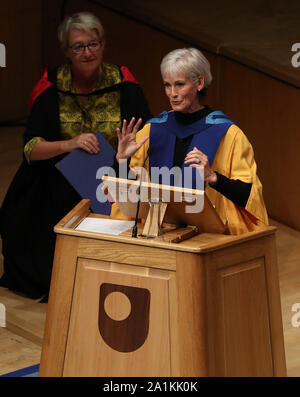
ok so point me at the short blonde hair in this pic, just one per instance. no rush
(85, 21)
(189, 61)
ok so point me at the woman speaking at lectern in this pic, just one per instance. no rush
(69, 105)
(193, 135)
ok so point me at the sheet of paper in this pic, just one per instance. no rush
(106, 226)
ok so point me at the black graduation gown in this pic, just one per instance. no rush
(39, 196)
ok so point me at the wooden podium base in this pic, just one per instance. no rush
(122, 306)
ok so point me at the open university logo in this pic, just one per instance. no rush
(124, 331)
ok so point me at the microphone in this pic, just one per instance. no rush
(134, 230)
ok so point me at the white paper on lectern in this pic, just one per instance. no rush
(106, 226)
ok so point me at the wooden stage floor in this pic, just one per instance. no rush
(21, 340)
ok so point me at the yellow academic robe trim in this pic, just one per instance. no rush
(235, 160)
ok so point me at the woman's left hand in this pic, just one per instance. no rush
(84, 141)
(198, 159)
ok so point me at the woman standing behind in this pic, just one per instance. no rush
(193, 135)
(69, 105)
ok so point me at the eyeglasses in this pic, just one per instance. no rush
(93, 46)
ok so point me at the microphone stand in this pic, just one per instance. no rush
(134, 230)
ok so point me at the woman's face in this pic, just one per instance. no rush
(86, 62)
(183, 92)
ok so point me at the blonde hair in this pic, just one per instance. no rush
(85, 21)
(189, 61)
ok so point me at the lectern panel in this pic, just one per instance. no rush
(244, 320)
(117, 319)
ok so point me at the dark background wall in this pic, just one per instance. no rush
(20, 32)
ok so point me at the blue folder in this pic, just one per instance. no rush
(84, 171)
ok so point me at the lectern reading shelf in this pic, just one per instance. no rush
(177, 206)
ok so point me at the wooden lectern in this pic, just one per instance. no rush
(122, 306)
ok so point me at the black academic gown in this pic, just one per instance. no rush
(39, 196)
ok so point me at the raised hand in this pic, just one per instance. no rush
(127, 144)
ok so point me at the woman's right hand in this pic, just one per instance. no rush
(127, 144)
(46, 150)
(85, 141)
